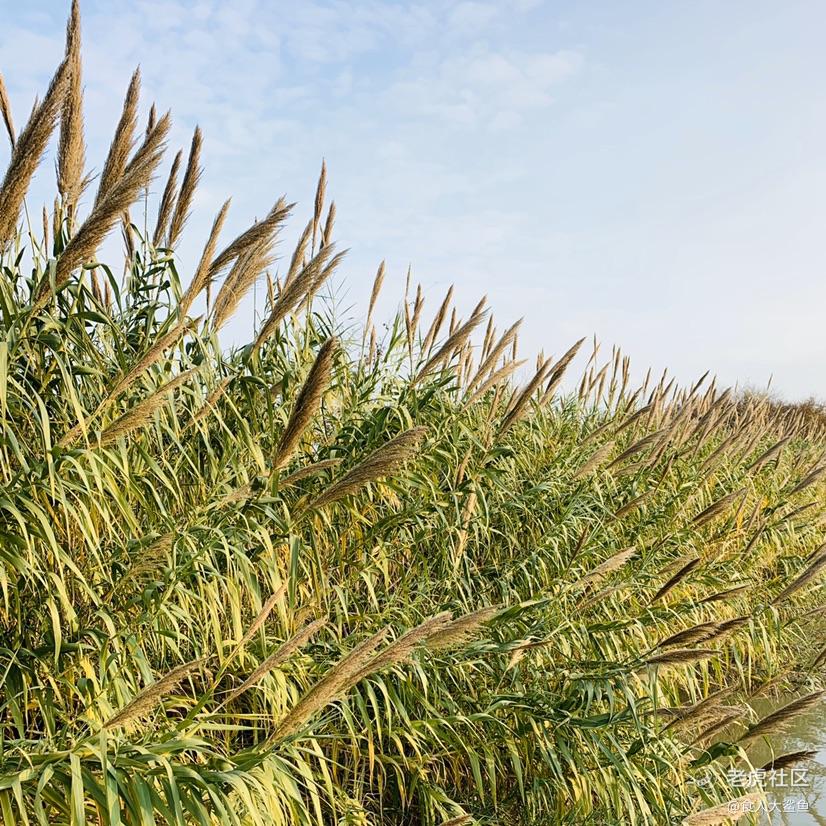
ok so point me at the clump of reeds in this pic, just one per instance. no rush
(157, 486)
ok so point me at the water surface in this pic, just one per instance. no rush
(799, 798)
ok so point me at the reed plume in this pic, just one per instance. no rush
(786, 761)
(140, 414)
(298, 258)
(149, 698)
(436, 324)
(187, 192)
(557, 372)
(680, 656)
(202, 272)
(777, 720)
(413, 324)
(150, 558)
(327, 235)
(308, 402)
(242, 275)
(688, 715)
(809, 479)
(382, 462)
(684, 571)
(71, 151)
(150, 357)
(28, 151)
(128, 379)
(298, 288)
(768, 455)
(279, 656)
(308, 470)
(6, 113)
(318, 204)
(497, 377)
(721, 718)
(812, 572)
(594, 460)
(727, 813)
(335, 682)
(727, 627)
(211, 400)
(151, 119)
(402, 648)
(107, 210)
(454, 342)
(122, 142)
(613, 563)
(468, 510)
(633, 418)
(260, 232)
(690, 636)
(718, 507)
(167, 201)
(632, 504)
(378, 281)
(319, 277)
(635, 448)
(260, 618)
(729, 593)
(522, 400)
(461, 629)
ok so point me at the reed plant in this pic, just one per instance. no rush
(335, 576)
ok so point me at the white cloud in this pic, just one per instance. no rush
(470, 16)
(485, 142)
(482, 87)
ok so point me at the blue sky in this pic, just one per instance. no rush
(652, 172)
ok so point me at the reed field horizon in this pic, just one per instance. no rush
(391, 573)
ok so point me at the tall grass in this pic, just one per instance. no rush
(351, 578)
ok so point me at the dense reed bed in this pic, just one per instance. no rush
(337, 577)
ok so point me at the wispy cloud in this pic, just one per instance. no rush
(574, 161)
